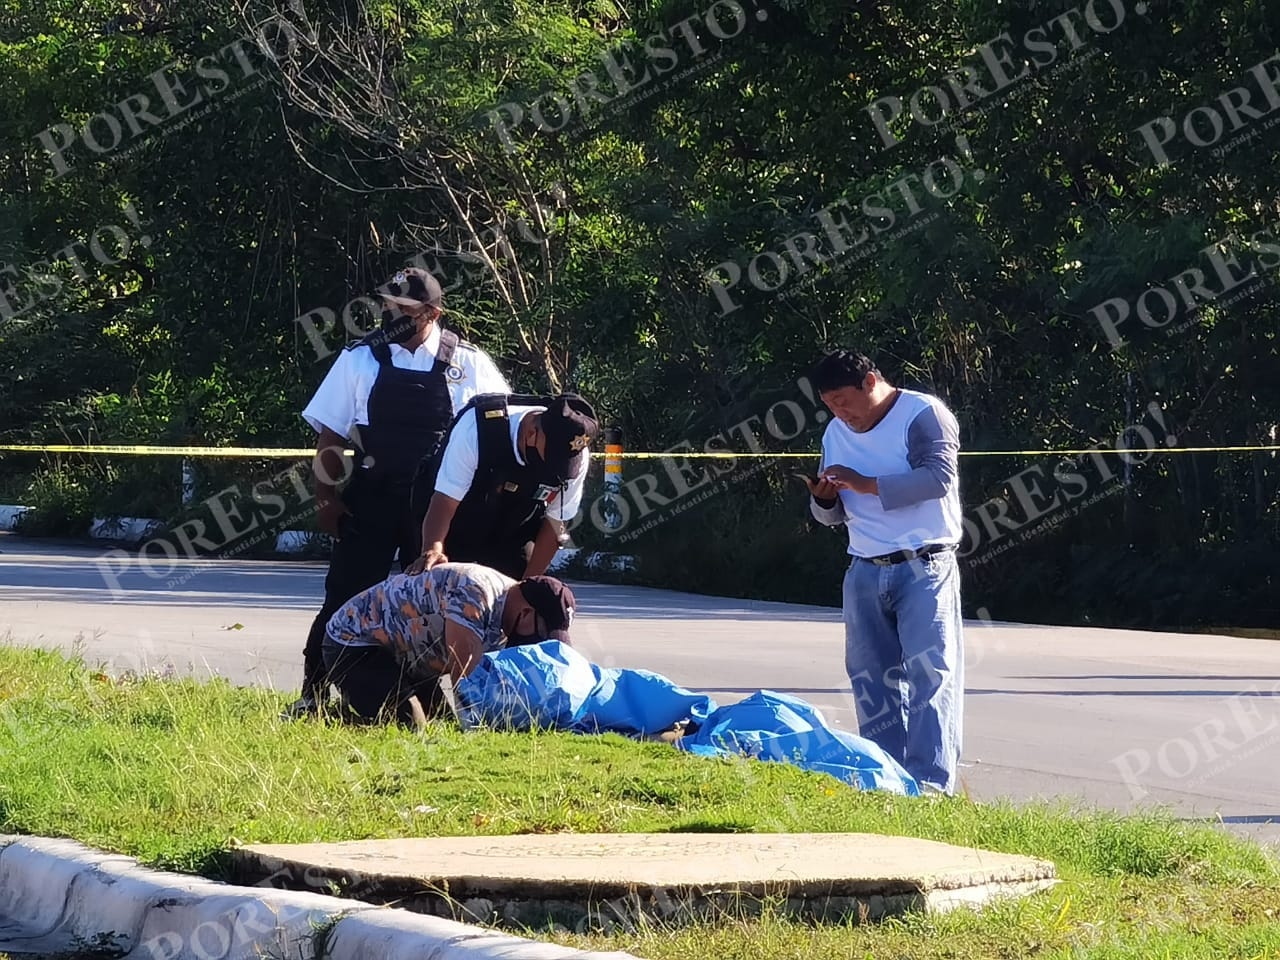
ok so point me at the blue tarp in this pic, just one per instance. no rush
(552, 686)
(775, 726)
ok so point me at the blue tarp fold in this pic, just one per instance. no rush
(785, 729)
(552, 686)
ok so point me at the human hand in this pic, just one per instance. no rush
(824, 491)
(331, 510)
(844, 478)
(432, 556)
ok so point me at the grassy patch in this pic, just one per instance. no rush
(1250, 633)
(175, 772)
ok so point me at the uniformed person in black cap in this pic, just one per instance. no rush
(508, 477)
(391, 396)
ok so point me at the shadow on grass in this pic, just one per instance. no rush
(707, 826)
(215, 864)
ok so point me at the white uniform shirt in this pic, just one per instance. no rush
(462, 458)
(341, 402)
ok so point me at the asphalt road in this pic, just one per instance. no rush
(1109, 718)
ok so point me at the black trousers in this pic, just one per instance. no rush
(380, 523)
(377, 687)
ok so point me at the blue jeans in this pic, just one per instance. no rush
(904, 655)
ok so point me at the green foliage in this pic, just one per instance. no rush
(64, 498)
(579, 257)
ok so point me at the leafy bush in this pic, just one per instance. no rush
(63, 498)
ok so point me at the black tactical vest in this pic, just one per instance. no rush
(507, 502)
(409, 413)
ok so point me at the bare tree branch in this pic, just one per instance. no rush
(340, 85)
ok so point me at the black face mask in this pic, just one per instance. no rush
(399, 328)
(520, 639)
(515, 639)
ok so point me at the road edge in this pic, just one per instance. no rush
(136, 530)
(58, 895)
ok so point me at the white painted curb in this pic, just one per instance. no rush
(125, 528)
(57, 895)
(593, 561)
(9, 514)
(137, 529)
(379, 936)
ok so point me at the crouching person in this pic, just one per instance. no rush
(394, 641)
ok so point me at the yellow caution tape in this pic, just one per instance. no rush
(278, 452)
(1116, 450)
(966, 453)
(147, 451)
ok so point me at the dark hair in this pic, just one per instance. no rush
(842, 368)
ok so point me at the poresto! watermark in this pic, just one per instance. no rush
(805, 251)
(1205, 125)
(135, 117)
(1071, 488)
(160, 557)
(657, 56)
(656, 497)
(40, 283)
(961, 90)
(1192, 288)
(1238, 730)
(328, 330)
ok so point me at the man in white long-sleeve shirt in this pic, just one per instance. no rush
(889, 474)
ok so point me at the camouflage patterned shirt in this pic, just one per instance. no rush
(407, 614)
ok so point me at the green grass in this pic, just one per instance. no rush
(175, 772)
(1252, 633)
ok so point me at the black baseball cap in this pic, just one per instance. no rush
(570, 426)
(554, 604)
(412, 287)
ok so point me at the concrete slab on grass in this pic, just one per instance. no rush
(60, 898)
(583, 880)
